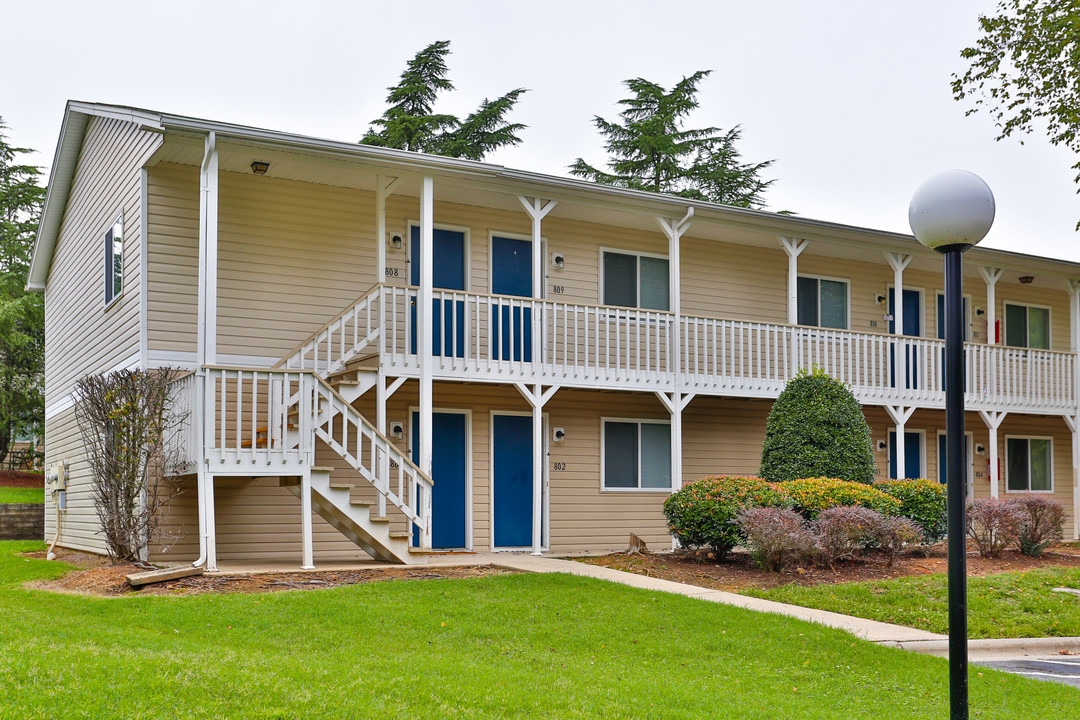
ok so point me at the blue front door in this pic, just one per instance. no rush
(912, 327)
(448, 273)
(912, 455)
(449, 454)
(512, 483)
(511, 274)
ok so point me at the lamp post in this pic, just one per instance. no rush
(950, 213)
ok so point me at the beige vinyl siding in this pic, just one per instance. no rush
(82, 335)
(173, 258)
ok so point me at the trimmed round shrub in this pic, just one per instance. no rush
(896, 534)
(993, 524)
(816, 428)
(844, 531)
(921, 501)
(776, 536)
(702, 513)
(1042, 520)
(810, 496)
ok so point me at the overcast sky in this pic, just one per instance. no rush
(851, 98)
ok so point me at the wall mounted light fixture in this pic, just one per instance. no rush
(1026, 279)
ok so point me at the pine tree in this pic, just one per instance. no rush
(22, 314)
(411, 123)
(651, 151)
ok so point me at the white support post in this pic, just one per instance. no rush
(380, 423)
(993, 420)
(380, 233)
(537, 398)
(900, 415)
(308, 562)
(537, 210)
(424, 321)
(793, 247)
(211, 523)
(1073, 422)
(991, 276)
(898, 262)
(675, 403)
(674, 230)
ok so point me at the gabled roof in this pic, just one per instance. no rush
(77, 115)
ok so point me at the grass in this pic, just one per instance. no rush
(1006, 605)
(522, 646)
(21, 495)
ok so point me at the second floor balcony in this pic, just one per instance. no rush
(494, 338)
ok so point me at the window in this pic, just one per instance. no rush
(823, 302)
(1028, 464)
(114, 261)
(1027, 326)
(637, 455)
(633, 280)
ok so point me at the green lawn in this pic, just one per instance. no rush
(22, 495)
(527, 646)
(1014, 604)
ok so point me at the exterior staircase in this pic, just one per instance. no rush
(332, 500)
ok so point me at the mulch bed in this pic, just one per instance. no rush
(738, 571)
(21, 479)
(102, 579)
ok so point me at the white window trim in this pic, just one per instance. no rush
(492, 234)
(847, 303)
(1029, 491)
(637, 253)
(1049, 325)
(969, 329)
(603, 470)
(545, 502)
(922, 455)
(464, 229)
(108, 270)
(469, 495)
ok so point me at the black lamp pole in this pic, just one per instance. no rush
(950, 213)
(954, 472)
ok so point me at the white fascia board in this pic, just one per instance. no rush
(62, 174)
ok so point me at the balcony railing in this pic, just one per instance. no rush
(491, 337)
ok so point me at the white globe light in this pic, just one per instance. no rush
(955, 207)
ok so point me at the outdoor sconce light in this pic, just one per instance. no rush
(979, 449)
(979, 312)
(397, 429)
(881, 445)
(260, 168)
(558, 434)
(950, 213)
(1026, 279)
(557, 260)
(879, 299)
(395, 241)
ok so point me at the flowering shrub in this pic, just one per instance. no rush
(1041, 523)
(703, 513)
(810, 496)
(776, 536)
(844, 531)
(896, 533)
(993, 524)
(923, 501)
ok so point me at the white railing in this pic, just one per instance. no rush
(345, 337)
(267, 421)
(183, 406)
(490, 337)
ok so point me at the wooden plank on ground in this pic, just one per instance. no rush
(154, 576)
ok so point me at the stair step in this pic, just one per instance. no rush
(379, 519)
(401, 534)
(359, 504)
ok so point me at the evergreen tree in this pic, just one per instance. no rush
(411, 123)
(650, 150)
(816, 428)
(22, 313)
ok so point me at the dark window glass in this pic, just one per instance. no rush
(808, 300)
(620, 279)
(1017, 451)
(620, 454)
